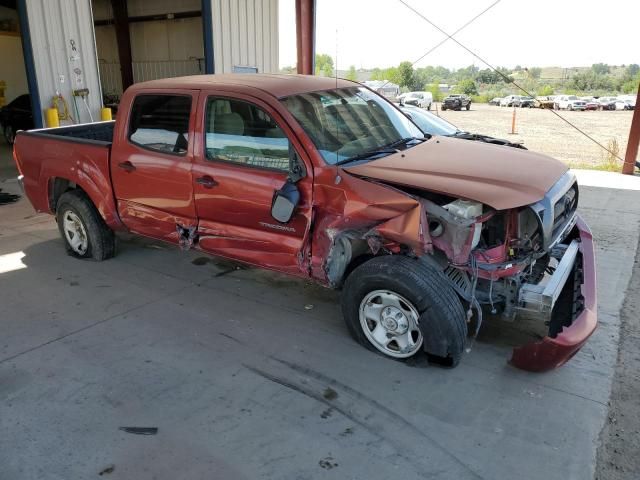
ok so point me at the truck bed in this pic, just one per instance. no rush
(77, 154)
(97, 133)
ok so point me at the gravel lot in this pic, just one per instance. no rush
(542, 131)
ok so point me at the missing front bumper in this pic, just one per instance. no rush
(570, 329)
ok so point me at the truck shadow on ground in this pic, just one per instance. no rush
(47, 262)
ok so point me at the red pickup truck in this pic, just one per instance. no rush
(327, 180)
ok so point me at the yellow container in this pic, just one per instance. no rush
(105, 114)
(51, 117)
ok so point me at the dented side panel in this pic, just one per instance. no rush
(378, 215)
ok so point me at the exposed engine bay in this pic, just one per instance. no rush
(513, 263)
(510, 262)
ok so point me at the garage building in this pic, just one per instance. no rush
(79, 54)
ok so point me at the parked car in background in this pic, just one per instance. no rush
(418, 99)
(607, 103)
(495, 101)
(592, 103)
(509, 100)
(630, 99)
(431, 124)
(569, 102)
(456, 102)
(623, 104)
(17, 115)
(544, 101)
(524, 102)
(417, 233)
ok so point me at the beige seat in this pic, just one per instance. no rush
(229, 124)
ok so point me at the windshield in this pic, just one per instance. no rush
(349, 122)
(429, 123)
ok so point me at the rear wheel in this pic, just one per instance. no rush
(82, 228)
(398, 306)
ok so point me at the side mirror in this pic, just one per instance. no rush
(285, 202)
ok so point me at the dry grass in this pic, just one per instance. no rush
(541, 131)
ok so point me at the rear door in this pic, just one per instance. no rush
(151, 165)
(244, 160)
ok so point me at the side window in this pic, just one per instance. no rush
(240, 132)
(161, 122)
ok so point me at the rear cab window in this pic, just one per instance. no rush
(161, 123)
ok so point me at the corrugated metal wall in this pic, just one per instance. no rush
(245, 34)
(64, 53)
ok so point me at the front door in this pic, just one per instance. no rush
(151, 166)
(245, 159)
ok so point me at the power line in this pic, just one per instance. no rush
(454, 33)
(505, 77)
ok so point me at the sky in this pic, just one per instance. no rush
(544, 33)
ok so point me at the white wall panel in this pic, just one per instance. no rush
(164, 40)
(64, 53)
(245, 33)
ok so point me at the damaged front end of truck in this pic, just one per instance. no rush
(533, 261)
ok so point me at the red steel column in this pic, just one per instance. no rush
(123, 38)
(634, 140)
(306, 35)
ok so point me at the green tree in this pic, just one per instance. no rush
(631, 86)
(467, 86)
(488, 76)
(632, 70)
(405, 74)
(391, 74)
(352, 74)
(324, 65)
(377, 74)
(600, 68)
(535, 72)
(435, 92)
(545, 91)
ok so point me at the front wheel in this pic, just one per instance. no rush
(398, 306)
(82, 228)
(468, 106)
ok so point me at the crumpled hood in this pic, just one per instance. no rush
(501, 177)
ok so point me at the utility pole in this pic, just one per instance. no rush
(634, 139)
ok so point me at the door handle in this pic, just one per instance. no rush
(127, 166)
(206, 181)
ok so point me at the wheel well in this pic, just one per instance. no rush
(355, 263)
(58, 186)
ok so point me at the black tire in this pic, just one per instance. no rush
(9, 134)
(442, 317)
(444, 109)
(101, 239)
(468, 106)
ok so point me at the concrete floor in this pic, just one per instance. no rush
(248, 374)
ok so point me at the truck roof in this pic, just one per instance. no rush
(278, 85)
